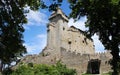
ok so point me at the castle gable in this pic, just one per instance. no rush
(74, 29)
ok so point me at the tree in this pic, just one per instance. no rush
(12, 18)
(103, 18)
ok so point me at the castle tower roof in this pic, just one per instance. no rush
(58, 12)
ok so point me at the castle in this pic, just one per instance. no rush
(71, 46)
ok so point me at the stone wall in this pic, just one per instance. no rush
(80, 61)
(78, 42)
(71, 59)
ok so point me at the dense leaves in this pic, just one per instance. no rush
(41, 69)
(54, 5)
(12, 18)
(103, 18)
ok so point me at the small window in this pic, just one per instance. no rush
(75, 41)
(105, 62)
(83, 41)
(63, 28)
(48, 30)
(69, 42)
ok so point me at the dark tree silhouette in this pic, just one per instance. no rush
(12, 18)
(103, 18)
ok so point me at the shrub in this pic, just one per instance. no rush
(42, 69)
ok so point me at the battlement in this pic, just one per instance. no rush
(58, 13)
(81, 62)
(93, 56)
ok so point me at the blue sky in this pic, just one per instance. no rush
(35, 35)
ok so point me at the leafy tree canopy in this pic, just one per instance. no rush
(103, 18)
(12, 18)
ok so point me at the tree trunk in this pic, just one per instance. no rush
(1, 66)
(115, 60)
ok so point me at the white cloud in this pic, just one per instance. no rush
(78, 24)
(38, 42)
(35, 18)
(41, 36)
(98, 45)
(36, 46)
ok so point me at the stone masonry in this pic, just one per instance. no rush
(71, 46)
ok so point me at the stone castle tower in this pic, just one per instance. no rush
(71, 46)
(60, 35)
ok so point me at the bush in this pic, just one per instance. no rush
(42, 69)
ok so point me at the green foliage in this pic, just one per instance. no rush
(86, 74)
(109, 73)
(41, 69)
(103, 18)
(54, 5)
(12, 18)
(7, 71)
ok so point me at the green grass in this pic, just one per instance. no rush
(110, 73)
(101, 74)
(87, 74)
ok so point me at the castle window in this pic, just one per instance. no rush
(63, 28)
(83, 41)
(69, 42)
(105, 62)
(48, 30)
(63, 21)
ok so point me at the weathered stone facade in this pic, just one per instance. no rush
(71, 46)
(70, 38)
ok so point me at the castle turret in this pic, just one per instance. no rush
(55, 31)
(56, 26)
(57, 15)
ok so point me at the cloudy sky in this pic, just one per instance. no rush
(35, 35)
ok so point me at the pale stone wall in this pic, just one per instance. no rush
(80, 61)
(70, 38)
(72, 60)
(78, 42)
(57, 28)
